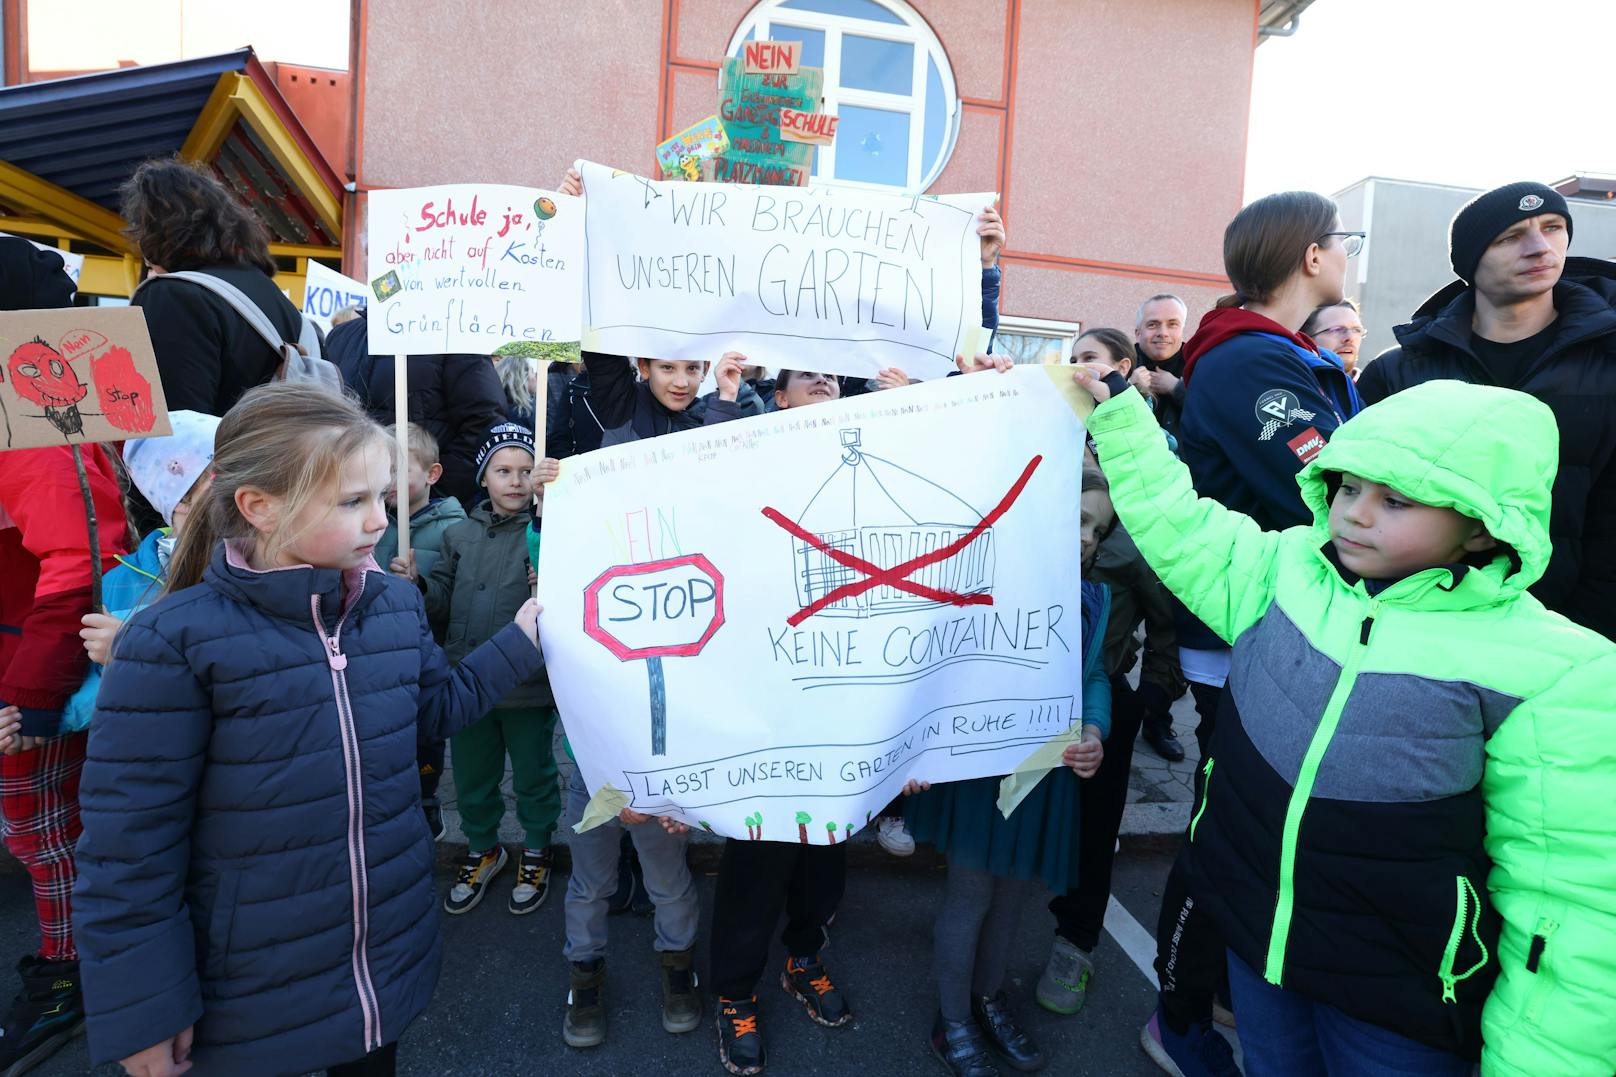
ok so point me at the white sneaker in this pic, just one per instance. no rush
(894, 838)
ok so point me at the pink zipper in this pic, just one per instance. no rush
(359, 882)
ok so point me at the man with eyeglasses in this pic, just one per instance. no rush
(1524, 316)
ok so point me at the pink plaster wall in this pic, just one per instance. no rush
(506, 93)
(1092, 299)
(1129, 128)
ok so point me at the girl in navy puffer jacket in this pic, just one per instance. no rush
(255, 891)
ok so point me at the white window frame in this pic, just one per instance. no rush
(1067, 332)
(770, 19)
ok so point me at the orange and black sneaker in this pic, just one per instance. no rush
(740, 1044)
(806, 980)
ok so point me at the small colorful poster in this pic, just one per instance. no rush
(325, 291)
(749, 106)
(76, 375)
(468, 267)
(688, 154)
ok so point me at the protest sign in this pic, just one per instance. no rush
(749, 106)
(822, 278)
(689, 154)
(325, 291)
(468, 267)
(78, 374)
(772, 624)
(818, 128)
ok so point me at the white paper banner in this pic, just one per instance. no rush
(714, 664)
(468, 267)
(325, 291)
(810, 278)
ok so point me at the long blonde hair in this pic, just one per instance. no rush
(516, 374)
(286, 439)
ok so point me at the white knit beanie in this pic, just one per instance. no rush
(164, 469)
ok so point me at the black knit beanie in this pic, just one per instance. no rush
(500, 437)
(31, 278)
(1480, 220)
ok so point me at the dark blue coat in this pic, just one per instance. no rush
(254, 859)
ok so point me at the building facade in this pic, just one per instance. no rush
(1113, 133)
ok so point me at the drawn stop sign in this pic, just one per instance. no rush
(656, 610)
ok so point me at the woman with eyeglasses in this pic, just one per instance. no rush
(1260, 401)
(1336, 326)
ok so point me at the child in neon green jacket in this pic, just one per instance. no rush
(1407, 832)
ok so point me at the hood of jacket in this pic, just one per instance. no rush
(438, 510)
(1221, 323)
(1488, 453)
(1585, 299)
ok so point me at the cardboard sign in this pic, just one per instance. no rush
(325, 291)
(814, 128)
(827, 279)
(771, 57)
(786, 618)
(689, 154)
(78, 374)
(749, 106)
(469, 267)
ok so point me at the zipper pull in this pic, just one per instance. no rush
(1448, 984)
(335, 657)
(1368, 622)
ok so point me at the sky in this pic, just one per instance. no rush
(1473, 93)
(312, 32)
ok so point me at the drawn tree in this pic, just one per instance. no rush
(803, 819)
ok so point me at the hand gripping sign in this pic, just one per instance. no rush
(659, 609)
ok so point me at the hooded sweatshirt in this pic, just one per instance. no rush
(1407, 807)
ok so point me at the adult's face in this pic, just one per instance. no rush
(1160, 331)
(1331, 282)
(1524, 261)
(1340, 330)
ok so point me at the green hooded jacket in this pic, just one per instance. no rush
(1331, 841)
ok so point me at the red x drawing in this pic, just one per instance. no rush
(897, 577)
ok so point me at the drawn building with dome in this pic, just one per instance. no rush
(886, 514)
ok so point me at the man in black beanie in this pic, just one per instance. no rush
(1525, 316)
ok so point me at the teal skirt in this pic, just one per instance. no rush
(1038, 841)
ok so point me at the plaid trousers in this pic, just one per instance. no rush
(39, 801)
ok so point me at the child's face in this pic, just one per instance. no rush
(509, 480)
(1097, 519)
(673, 381)
(1089, 350)
(1382, 535)
(339, 527)
(807, 389)
(421, 478)
(193, 496)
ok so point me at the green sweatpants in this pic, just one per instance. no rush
(479, 753)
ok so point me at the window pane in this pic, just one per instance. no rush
(852, 9)
(937, 118)
(1029, 347)
(868, 63)
(813, 42)
(872, 145)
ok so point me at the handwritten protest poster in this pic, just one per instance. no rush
(819, 278)
(468, 267)
(78, 374)
(325, 291)
(749, 105)
(765, 628)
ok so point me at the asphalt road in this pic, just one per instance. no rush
(499, 1003)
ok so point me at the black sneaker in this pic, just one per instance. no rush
(585, 1022)
(960, 1046)
(477, 870)
(47, 1012)
(532, 881)
(740, 1044)
(809, 983)
(434, 818)
(1163, 743)
(1004, 1034)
